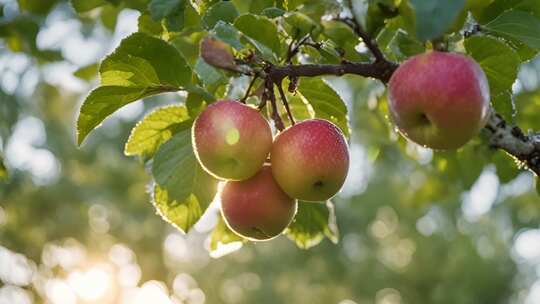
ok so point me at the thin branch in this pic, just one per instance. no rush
(264, 100)
(270, 95)
(285, 102)
(358, 30)
(292, 51)
(248, 91)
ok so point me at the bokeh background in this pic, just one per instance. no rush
(76, 225)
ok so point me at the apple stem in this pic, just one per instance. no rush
(440, 45)
(285, 102)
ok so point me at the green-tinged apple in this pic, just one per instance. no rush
(257, 208)
(439, 100)
(231, 140)
(310, 160)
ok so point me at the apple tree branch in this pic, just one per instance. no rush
(502, 135)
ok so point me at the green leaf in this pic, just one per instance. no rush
(148, 26)
(299, 25)
(501, 64)
(160, 9)
(141, 66)
(144, 61)
(404, 46)
(156, 128)
(195, 104)
(88, 72)
(504, 105)
(183, 214)
(179, 14)
(326, 103)
(313, 221)
(316, 9)
(210, 76)
(3, 170)
(339, 32)
(221, 11)
(223, 241)
(463, 166)
(498, 60)
(498, 7)
(176, 169)
(253, 6)
(34, 6)
(343, 37)
(109, 16)
(518, 25)
(105, 100)
(435, 17)
(299, 107)
(228, 34)
(262, 33)
(83, 6)
(273, 12)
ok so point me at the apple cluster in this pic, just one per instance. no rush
(263, 175)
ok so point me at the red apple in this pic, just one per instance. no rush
(439, 100)
(231, 140)
(257, 208)
(310, 160)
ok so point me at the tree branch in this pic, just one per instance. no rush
(510, 138)
(379, 70)
(525, 148)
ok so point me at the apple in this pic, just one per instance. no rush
(439, 100)
(310, 160)
(257, 208)
(231, 140)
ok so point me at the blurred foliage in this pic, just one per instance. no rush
(415, 226)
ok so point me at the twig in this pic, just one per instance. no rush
(269, 91)
(293, 51)
(358, 30)
(285, 102)
(248, 91)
